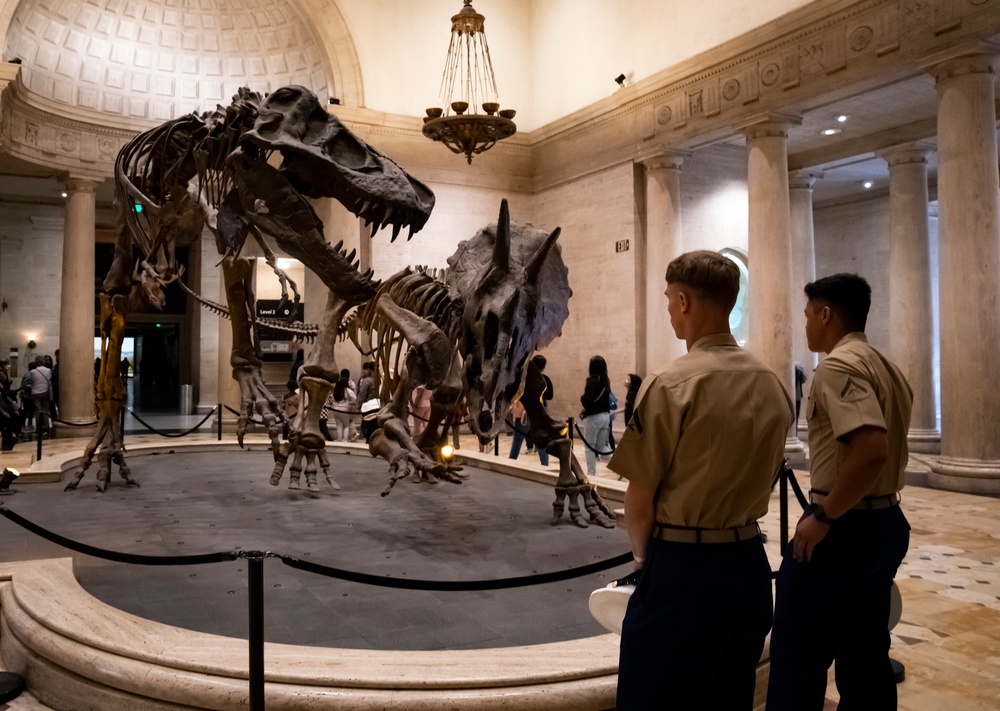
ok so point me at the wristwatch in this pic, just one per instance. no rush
(819, 513)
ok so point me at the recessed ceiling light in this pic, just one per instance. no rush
(842, 118)
(830, 131)
(867, 184)
(64, 194)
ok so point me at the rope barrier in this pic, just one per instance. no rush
(588, 445)
(457, 585)
(319, 569)
(167, 434)
(76, 424)
(115, 556)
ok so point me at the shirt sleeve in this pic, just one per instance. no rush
(847, 396)
(647, 447)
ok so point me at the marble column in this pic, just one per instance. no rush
(664, 242)
(969, 232)
(800, 196)
(911, 314)
(76, 308)
(770, 251)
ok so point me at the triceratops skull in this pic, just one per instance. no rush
(514, 287)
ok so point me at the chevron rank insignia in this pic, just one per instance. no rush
(853, 391)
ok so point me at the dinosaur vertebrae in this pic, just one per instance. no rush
(300, 331)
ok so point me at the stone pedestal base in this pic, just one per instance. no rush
(971, 476)
(793, 445)
(924, 441)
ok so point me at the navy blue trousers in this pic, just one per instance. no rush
(695, 626)
(836, 608)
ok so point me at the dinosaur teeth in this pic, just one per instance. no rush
(336, 247)
(388, 216)
(364, 208)
(350, 257)
(410, 236)
(395, 232)
(375, 227)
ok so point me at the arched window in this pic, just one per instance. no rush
(738, 321)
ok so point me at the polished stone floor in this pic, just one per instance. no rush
(948, 639)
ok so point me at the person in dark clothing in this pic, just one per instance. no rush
(293, 374)
(596, 415)
(632, 384)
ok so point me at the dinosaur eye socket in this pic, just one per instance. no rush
(491, 334)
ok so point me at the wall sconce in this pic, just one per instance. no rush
(8, 476)
(620, 80)
(31, 341)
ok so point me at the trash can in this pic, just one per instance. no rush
(187, 399)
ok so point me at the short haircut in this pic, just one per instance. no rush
(710, 275)
(847, 294)
(539, 361)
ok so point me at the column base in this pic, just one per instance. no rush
(75, 427)
(971, 476)
(793, 445)
(924, 441)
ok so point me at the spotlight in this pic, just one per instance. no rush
(620, 80)
(8, 476)
(867, 184)
(447, 452)
(334, 100)
(15, 60)
(842, 118)
(830, 131)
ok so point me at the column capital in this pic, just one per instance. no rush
(79, 183)
(978, 58)
(661, 158)
(803, 179)
(772, 124)
(903, 153)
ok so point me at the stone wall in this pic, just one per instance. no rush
(31, 238)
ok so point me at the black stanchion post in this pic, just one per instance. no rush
(783, 506)
(38, 435)
(218, 420)
(496, 445)
(122, 422)
(569, 425)
(255, 578)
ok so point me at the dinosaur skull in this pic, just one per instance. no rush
(514, 288)
(322, 158)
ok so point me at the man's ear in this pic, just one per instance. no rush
(685, 301)
(826, 315)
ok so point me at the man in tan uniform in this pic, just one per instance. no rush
(834, 583)
(701, 450)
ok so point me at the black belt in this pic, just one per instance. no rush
(679, 534)
(869, 503)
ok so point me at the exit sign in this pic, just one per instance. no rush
(621, 245)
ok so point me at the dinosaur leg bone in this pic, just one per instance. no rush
(246, 358)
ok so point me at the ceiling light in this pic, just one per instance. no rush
(842, 118)
(64, 194)
(467, 86)
(867, 184)
(830, 131)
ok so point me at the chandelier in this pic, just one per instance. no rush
(467, 86)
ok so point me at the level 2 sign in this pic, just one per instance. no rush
(268, 308)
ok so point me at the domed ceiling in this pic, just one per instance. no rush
(157, 59)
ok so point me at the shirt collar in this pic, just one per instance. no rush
(852, 336)
(714, 340)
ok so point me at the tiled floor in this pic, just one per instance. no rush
(948, 639)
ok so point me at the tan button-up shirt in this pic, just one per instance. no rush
(709, 431)
(854, 386)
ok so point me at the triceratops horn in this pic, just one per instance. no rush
(501, 248)
(538, 258)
